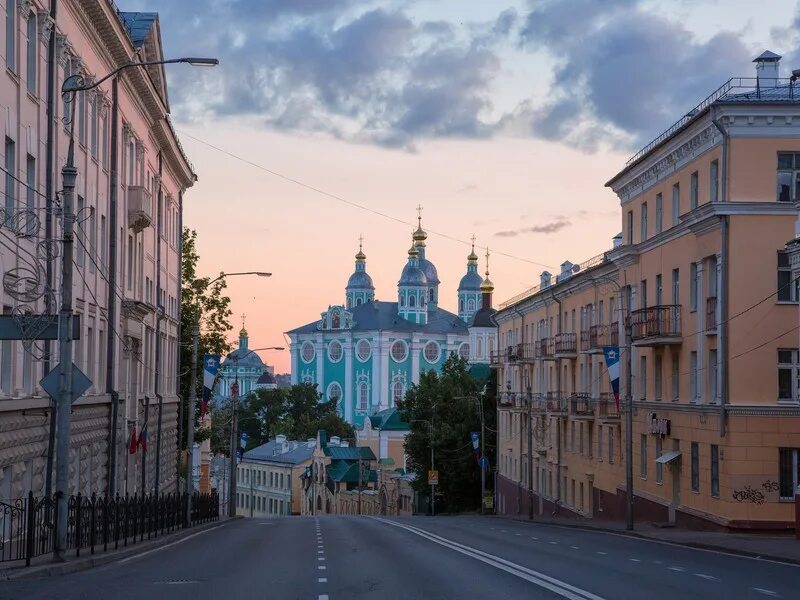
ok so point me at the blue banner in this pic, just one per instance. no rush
(612, 364)
(210, 366)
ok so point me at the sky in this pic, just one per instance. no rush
(331, 119)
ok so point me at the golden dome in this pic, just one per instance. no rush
(487, 285)
(243, 331)
(420, 235)
(360, 255)
(413, 252)
(472, 257)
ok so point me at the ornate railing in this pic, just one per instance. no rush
(545, 348)
(581, 405)
(659, 321)
(711, 313)
(607, 406)
(566, 343)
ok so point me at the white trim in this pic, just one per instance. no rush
(341, 349)
(369, 354)
(405, 346)
(302, 352)
(438, 352)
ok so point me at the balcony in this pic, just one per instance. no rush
(526, 353)
(581, 406)
(556, 403)
(598, 336)
(607, 407)
(566, 345)
(505, 399)
(496, 359)
(140, 208)
(546, 349)
(711, 315)
(656, 325)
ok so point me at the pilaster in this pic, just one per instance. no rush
(349, 411)
(701, 325)
(415, 347)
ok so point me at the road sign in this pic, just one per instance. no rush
(488, 501)
(485, 463)
(80, 383)
(35, 327)
(433, 477)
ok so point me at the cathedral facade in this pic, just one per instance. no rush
(365, 353)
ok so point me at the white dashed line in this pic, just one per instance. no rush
(320, 551)
(535, 538)
(575, 547)
(679, 569)
(603, 553)
(323, 597)
(322, 567)
(320, 558)
(765, 592)
(503, 531)
(634, 560)
(322, 580)
(659, 562)
(704, 576)
(517, 534)
(554, 543)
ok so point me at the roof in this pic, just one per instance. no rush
(484, 317)
(347, 472)
(138, 25)
(266, 378)
(249, 359)
(471, 281)
(349, 452)
(412, 275)
(269, 452)
(429, 269)
(374, 316)
(360, 279)
(387, 420)
(767, 56)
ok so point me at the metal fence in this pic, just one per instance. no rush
(28, 525)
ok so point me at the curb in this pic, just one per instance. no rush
(81, 564)
(640, 536)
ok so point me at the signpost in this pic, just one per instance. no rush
(433, 477)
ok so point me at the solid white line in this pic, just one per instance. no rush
(766, 592)
(634, 560)
(709, 577)
(322, 567)
(679, 569)
(556, 586)
(603, 553)
(323, 597)
(188, 537)
(322, 580)
(574, 547)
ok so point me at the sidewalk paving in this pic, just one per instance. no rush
(780, 547)
(44, 566)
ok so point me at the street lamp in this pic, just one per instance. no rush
(433, 487)
(256, 273)
(69, 175)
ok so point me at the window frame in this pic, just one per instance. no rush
(32, 54)
(659, 213)
(793, 370)
(714, 470)
(793, 456)
(694, 192)
(695, 466)
(676, 203)
(788, 290)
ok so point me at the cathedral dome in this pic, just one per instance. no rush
(470, 282)
(360, 280)
(246, 358)
(429, 269)
(412, 275)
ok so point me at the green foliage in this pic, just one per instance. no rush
(295, 412)
(452, 402)
(206, 304)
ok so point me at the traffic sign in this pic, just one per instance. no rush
(80, 383)
(488, 501)
(433, 477)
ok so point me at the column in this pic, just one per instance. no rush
(377, 353)
(319, 347)
(719, 317)
(701, 337)
(385, 379)
(348, 379)
(294, 350)
(415, 348)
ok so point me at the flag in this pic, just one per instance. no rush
(612, 364)
(143, 437)
(210, 365)
(132, 442)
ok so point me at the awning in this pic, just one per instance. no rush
(668, 457)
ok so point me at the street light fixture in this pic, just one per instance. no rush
(256, 273)
(69, 175)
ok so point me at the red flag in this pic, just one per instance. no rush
(203, 407)
(143, 437)
(132, 443)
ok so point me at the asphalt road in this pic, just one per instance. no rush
(332, 558)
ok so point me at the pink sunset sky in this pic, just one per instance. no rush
(499, 118)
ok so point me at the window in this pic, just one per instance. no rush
(80, 238)
(630, 227)
(398, 391)
(104, 139)
(471, 304)
(676, 203)
(92, 238)
(363, 396)
(643, 456)
(5, 361)
(692, 286)
(788, 373)
(10, 183)
(788, 290)
(693, 191)
(676, 367)
(334, 392)
(676, 286)
(90, 366)
(788, 472)
(11, 34)
(412, 301)
(657, 379)
(643, 378)
(95, 100)
(600, 443)
(610, 444)
(363, 350)
(81, 99)
(463, 350)
(659, 290)
(432, 352)
(788, 177)
(399, 350)
(66, 105)
(307, 352)
(130, 262)
(643, 233)
(695, 467)
(30, 194)
(712, 375)
(643, 294)
(32, 52)
(693, 376)
(659, 466)
(103, 242)
(715, 470)
(713, 181)
(659, 213)
(335, 351)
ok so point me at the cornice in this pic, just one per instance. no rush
(766, 410)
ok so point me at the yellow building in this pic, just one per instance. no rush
(701, 276)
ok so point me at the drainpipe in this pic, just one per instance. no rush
(112, 322)
(722, 340)
(159, 315)
(178, 345)
(519, 479)
(558, 420)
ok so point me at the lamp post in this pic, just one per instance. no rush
(433, 487)
(69, 175)
(234, 422)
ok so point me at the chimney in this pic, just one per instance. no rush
(617, 240)
(544, 279)
(280, 439)
(335, 441)
(311, 442)
(566, 271)
(767, 69)
(344, 444)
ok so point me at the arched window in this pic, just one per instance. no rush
(334, 392)
(402, 300)
(335, 324)
(398, 391)
(358, 302)
(431, 352)
(412, 301)
(430, 295)
(461, 305)
(479, 348)
(363, 395)
(307, 352)
(471, 304)
(463, 350)
(399, 351)
(335, 351)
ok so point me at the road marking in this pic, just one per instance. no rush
(709, 577)
(323, 597)
(320, 558)
(320, 551)
(561, 588)
(659, 562)
(503, 531)
(322, 567)
(679, 569)
(517, 534)
(765, 592)
(554, 543)
(603, 553)
(634, 560)
(322, 580)
(535, 538)
(188, 537)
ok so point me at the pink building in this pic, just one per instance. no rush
(127, 277)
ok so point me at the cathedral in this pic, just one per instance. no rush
(366, 353)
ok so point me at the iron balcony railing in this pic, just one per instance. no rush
(581, 404)
(566, 343)
(711, 313)
(496, 358)
(545, 348)
(607, 406)
(556, 402)
(659, 321)
(600, 335)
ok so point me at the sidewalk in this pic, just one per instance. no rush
(45, 567)
(784, 548)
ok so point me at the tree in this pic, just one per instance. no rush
(205, 304)
(451, 401)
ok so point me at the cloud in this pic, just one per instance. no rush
(547, 228)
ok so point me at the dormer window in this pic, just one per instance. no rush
(335, 320)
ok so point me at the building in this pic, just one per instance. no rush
(385, 434)
(268, 483)
(129, 314)
(245, 367)
(701, 280)
(366, 353)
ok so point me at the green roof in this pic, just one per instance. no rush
(347, 472)
(349, 452)
(388, 420)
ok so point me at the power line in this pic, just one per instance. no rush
(350, 202)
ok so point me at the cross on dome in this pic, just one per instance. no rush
(243, 332)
